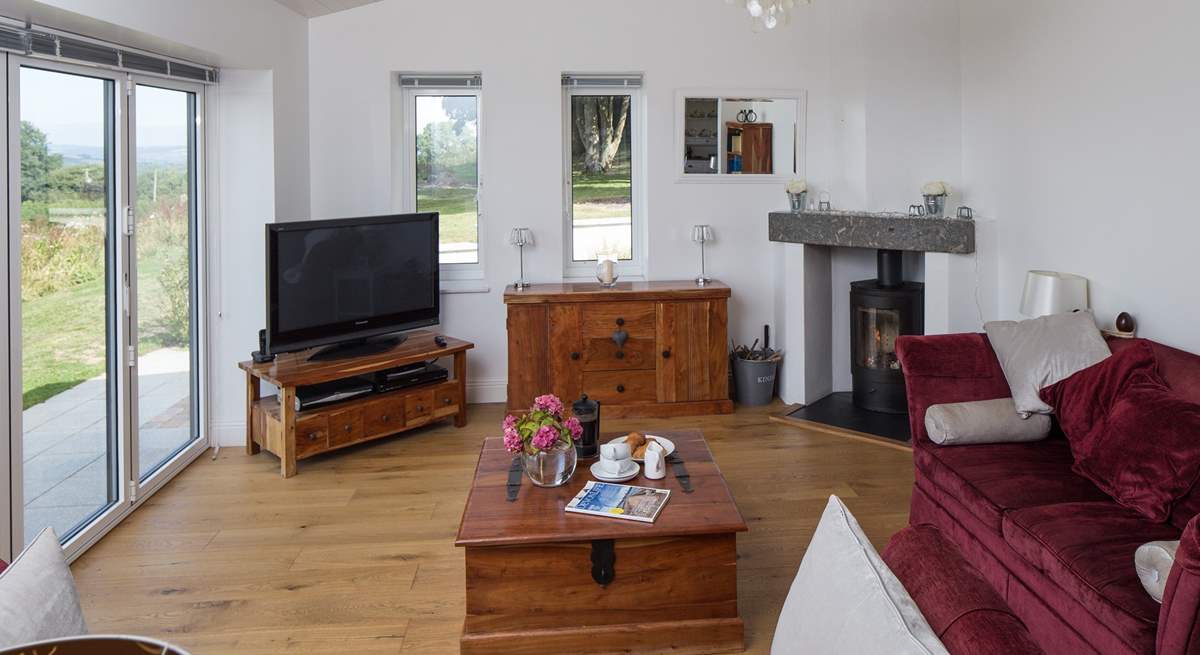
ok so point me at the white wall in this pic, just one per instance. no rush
(522, 46)
(1080, 138)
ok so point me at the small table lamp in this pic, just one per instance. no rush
(702, 234)
(1051, 292)
(521, 237)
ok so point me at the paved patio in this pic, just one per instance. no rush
(65, 454)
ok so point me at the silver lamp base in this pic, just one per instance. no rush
(521, 284)
(703, 280)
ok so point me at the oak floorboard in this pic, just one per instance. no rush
(356, 553)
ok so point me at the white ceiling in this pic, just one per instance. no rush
(314, 8)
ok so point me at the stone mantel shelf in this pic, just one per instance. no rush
(881, 230)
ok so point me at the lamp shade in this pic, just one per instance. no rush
(702, 233)
(520, 236)
(1051, 292)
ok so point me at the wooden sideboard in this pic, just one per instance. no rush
(641, 349)
(278, 428)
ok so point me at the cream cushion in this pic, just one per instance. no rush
(1153, 563)
(844, 599)
(1035, 354)
(983, 421)
(37, 595)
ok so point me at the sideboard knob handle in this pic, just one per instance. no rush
(666, 354)
(620, 321)
(620, 388)
(575, 355)
(620, 354)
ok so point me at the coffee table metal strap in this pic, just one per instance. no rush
(515, 469)
(681, 473)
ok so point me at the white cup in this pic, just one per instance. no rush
(612, 467)
(615, 451)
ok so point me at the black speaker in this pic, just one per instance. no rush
(261, 355)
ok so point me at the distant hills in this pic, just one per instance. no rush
(73, 155)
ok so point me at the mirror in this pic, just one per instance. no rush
(740, 135)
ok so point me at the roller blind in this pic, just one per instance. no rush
(444, 81)
(632, 80)
(44, 43)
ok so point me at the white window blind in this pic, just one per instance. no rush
(45, 43)
(583, 80)
(445, 81)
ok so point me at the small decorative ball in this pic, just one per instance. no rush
(1125, 322)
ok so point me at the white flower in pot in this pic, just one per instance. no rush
(935, 188)
(797, 186)
(935, 197)
(797, 191)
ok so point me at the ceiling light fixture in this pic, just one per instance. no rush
(769, 13)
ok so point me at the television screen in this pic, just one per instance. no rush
(331, 281)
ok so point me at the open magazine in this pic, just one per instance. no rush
(619, 501)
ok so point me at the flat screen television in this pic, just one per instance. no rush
(352, 283)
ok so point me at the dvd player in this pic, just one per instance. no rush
(409, 376)
(319, 395)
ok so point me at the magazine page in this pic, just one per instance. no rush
(619, 501)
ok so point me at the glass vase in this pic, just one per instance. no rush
(935, 206)
(551, 468)
(606, 270)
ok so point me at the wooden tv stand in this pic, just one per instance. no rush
(291, 435)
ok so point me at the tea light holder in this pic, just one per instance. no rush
(702, 234)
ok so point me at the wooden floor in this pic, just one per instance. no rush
(355, 554)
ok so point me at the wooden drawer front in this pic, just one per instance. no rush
(345, 426)
(606, 355)
(383, 416)
(601, 319)
(418, 408)
(312, 435)
(620, 387)
(446, 400)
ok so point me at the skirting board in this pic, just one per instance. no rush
(488, 390)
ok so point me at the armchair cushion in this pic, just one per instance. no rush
(37, 595)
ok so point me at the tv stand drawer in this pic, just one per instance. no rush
(418, 408)
(312, 435)
(447, 399)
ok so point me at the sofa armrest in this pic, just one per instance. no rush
(1179, 616)
(947, 368)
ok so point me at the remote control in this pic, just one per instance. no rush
(440, 341)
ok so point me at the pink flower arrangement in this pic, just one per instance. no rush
(542, 429)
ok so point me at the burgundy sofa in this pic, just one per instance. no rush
(1056, 548)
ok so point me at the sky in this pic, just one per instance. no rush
(69, 109)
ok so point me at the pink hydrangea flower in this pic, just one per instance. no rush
(512, 438)
(550, 404)
(575, 428)
(545, 438)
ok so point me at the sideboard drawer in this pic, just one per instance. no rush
(620, 387)
(345, 427)
(446, 399)
(312, 435)
(383, 416)
(418, 408)
(600, 320)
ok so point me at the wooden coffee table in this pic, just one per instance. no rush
(535, 572)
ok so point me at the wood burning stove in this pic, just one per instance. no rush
(881, 310)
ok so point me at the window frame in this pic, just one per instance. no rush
(634, 268)
(460, 277)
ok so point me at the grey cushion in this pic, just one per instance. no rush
(983, 421)
(1035, 354)
(1153, 562)
(37, 595)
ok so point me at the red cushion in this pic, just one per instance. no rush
(991, 478)
(1179, 368)
(1130, 434)
(961, 607)
(1087, 549)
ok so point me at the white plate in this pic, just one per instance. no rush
(629, 473)
(668, 447)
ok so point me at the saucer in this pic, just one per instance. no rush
(630, 472)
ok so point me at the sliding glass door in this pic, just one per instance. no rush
(164, 265)
(104, 360)
(67, 305)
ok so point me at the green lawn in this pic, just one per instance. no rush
(612, 187)
(63, 336)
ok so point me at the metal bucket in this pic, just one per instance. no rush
(754, 381)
